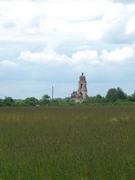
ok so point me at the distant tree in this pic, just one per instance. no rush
(55, 102)
(1, 102)
(132, 97)
(19, 102)
(94, 99)
(8, 101)
(114, 94)
(45, 99)
(99, 98)
(120, 94)
(67, 99)
(31, 101)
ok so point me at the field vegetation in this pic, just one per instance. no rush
(113, 96)
(67, 143)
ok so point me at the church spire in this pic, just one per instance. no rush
(81, 94)
(82, 89)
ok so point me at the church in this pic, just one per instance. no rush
(81, 94)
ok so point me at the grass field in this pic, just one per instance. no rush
(93, 143)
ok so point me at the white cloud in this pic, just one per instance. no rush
(7, 63)
(61, 17)
(87, 54)
(125, 1)
(50, 58)
(80, 58)
(117, 55)
(87, 57)
(130, 26)
(73, 34)
(19, 12)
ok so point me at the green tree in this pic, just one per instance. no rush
(112, 95)
(8, 101)
(94, 99)
(120, 94)
(31, 101)
(1, 102)
(19, 102)
(99, 99)
(132, 97)
(45, 99)
(54, 102)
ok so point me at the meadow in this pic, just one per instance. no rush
(67, 143)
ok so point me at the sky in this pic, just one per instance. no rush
(45, 43)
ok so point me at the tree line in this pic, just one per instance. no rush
(114, 95)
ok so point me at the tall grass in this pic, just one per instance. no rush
(95, 143)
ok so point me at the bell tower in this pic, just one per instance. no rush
(82, 89)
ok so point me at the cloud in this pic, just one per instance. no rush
(118, 55)
(130, 26)
(54, 41)
(7, 63)
(85, 58)
(53, 18)
(50, 58)
(125, 1)
(53, 59)
(87, 54)
(122, 28)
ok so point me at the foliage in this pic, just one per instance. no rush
(94, 99)
(45, 100)
(114, 94)
(1, 102)
(8, 101)
(32, 101)
(132, 97)
(20, 102)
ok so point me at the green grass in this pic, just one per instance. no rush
(88, 143)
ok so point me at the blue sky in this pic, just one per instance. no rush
(50, 42)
